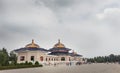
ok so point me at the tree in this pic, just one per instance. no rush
(105, 59)
(4, 57)
(112, 58)
(1, 58)
(13, 58)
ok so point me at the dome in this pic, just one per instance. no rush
(32, 45)
(59, 45)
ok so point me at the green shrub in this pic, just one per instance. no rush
(21, 65)
(18, 66)
(26, 63)
(37, 63)
(30, 63)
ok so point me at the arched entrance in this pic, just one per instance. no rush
(62, 58)
(41, 58)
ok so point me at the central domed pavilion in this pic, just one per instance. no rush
(59, 49)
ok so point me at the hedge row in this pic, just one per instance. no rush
(18, 66)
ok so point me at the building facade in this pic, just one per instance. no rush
(58, 54)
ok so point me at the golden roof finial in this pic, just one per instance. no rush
(32, 45)
(59, 44)
(32, 41)
(58, 40)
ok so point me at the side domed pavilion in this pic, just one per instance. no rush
(31, 53)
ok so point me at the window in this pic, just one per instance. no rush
(69, 59)
(32, 58)
(22, 58)
(52, 59)
(62, 58)
(46, 59)
(41, 58)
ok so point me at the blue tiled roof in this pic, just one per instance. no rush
(58, 53)
(30, 49)
(64, 53)
(71, 54)
(56, 49)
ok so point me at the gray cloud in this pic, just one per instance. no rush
(55, 4)
(90, 27)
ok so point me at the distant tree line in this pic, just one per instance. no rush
(105, 59)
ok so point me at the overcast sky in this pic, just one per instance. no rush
(89, 27)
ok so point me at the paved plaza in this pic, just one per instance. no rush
(86, 68)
